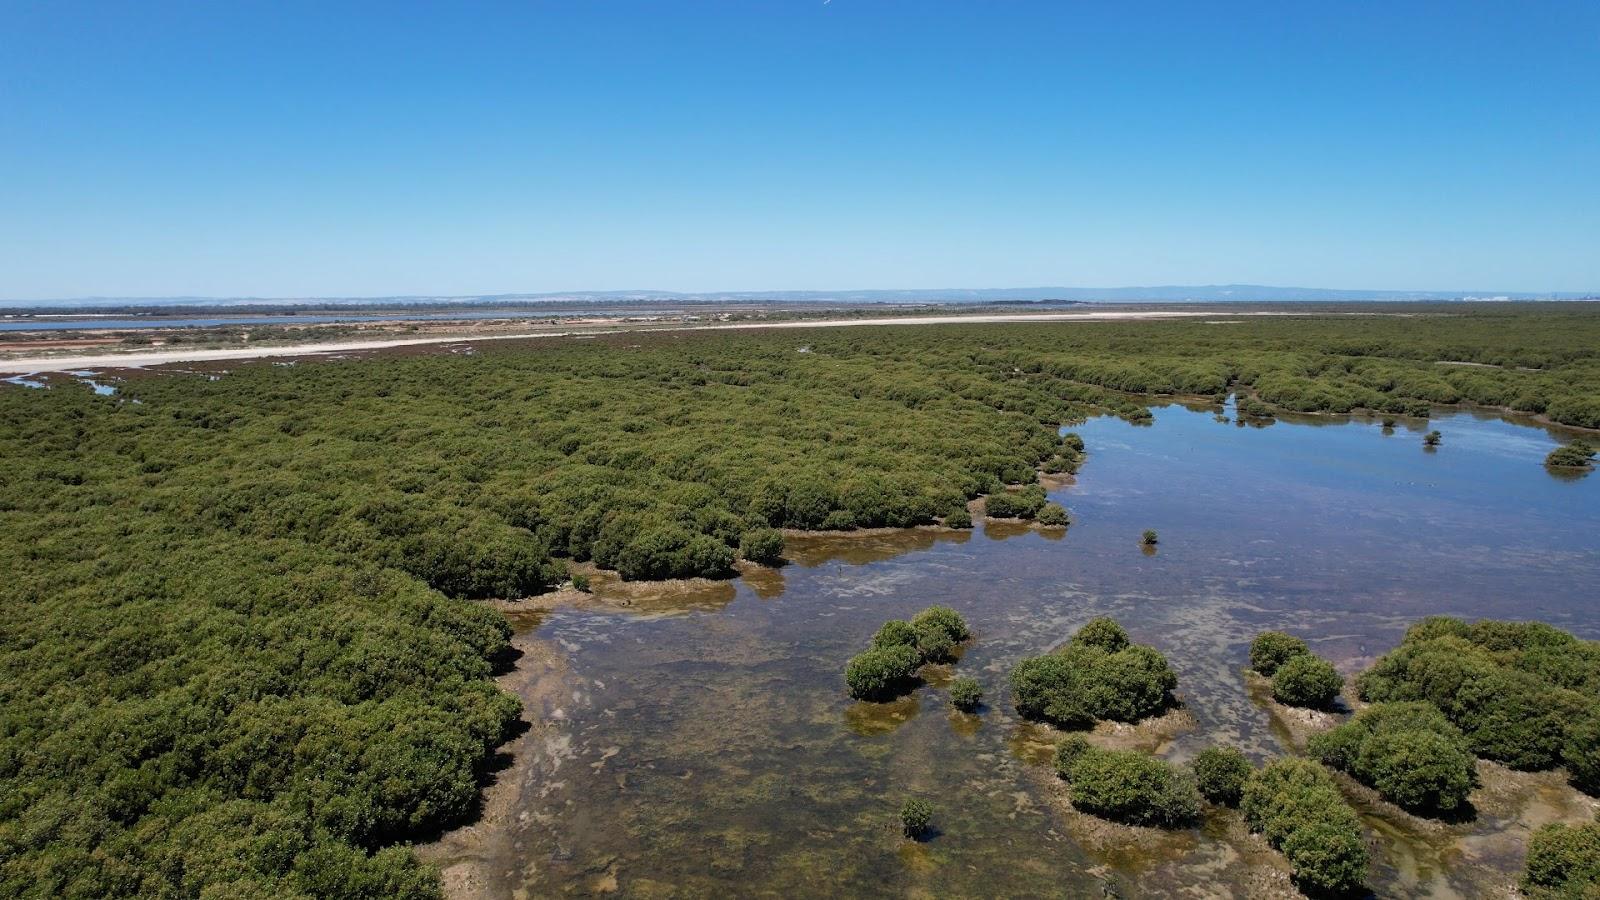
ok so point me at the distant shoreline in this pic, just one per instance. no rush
(131, 359)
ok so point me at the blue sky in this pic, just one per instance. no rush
(288, 149)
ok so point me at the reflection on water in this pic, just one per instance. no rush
(714, 751)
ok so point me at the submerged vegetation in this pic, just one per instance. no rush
(237, 657)
(1097, 675)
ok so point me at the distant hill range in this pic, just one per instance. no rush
(1211, 293)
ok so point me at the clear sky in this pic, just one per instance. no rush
(298, 149)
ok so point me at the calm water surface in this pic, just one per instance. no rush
(705, 746)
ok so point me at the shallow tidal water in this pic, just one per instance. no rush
(700, 742)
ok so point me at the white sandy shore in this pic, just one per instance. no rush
(139, 358)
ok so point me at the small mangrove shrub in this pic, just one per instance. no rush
(899, 648)
(946, 619)
(958, 519)
(882, 673)
(1023, 504)
(1272, 649)
(1053, 515)
(1097, 675)
(1408, 752)
(580, 582)
(1576, 455)
(1102, 632)
(1307, 680)
(895, 633)
(1220, 773)
(1563, 862)
(965, 694)
(1432, 439)
(1296, 805)
(1127, 786)
(1150, 538)
(933, 642)
(762, 545)
(916, 815)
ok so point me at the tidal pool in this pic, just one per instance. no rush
(700, 743)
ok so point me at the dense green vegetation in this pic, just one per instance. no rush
(916, 815)
(1408, 752)
(1563, 862)
(1024, 503)
(1307, 680)
(889, 667)
(1220, 774)
(1126, 786)
(1296, 805)
(966, 694)
(1525, 694)
(236, 659)
(1299, 677)
(1096, 675)
(1271, 649)
(1053, 515)
(1576, 455)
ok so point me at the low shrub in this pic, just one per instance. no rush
(1576, 455)
(1272, 649)
(1023, 504)
(965, 694)
(958, 519)
(882, 673)
(580, 582)
(1220, 774)
(1563, 862)
(934, 642)
(1432, 439)
(1255, 409)
(1102, 632)
(762, 545)
(1296, 805)
(895, 633)
(1307, 681)
(1582, 752)
(1408, 752)
(1129, 787)
(1150, 538)
(946, 619)
(916, 815)
(888, 668)
(1053, 515)
(1084, 681)
(1071, 747)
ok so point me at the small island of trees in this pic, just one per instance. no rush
(1098, 674)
